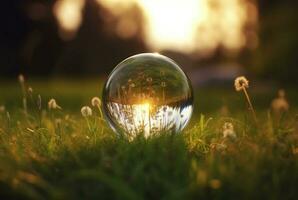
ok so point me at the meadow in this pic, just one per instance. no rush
(222, 154)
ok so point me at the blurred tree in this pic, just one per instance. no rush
(12, 32)
(276, 58)
(99, 45)
(31, 43)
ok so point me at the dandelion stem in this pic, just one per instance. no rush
(88, 124)
(100, 112)
(39, 106)
(250, 106)
(23, 88)
(25, 106)
(8, 119)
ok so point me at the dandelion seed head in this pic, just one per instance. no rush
(240, 83)
(67, 117)
(280, 104)
(2, 109)
(21, 78)
(86, 111)
(228, 125)
(149, 79)
(30, 90)
(295, 150)
(221, 147)
(228, 130)
(96, 102)
(281, 93)
(215, 183)
(52, 104)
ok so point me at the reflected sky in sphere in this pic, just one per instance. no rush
(147, 94)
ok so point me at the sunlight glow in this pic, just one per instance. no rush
(171, 23)
(186, 26)
(141, 115)
(69, 16)
(191, 25)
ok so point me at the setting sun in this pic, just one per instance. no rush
(171, 24)
(191, 25)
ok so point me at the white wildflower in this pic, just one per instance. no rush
(52, 104)
(96, 102)
(241, 83)
(228, 130)
(280, 104)
(86, 111)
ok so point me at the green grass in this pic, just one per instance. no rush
(56, 155)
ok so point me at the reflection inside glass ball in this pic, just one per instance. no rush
(147, 94)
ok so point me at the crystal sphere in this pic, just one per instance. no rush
(147, 94)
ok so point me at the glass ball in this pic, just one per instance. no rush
(147, 94)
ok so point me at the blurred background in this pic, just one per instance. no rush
(212, 40)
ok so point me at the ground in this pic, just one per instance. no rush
(59, 154)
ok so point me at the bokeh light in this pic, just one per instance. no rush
(193, 25)
(69, 16)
